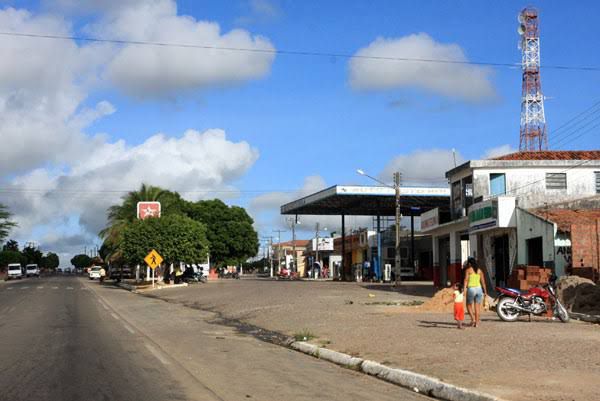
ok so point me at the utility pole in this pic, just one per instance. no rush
(279, 248)
(269, 250)
(316, 247)
(292, 221)
(397, 181)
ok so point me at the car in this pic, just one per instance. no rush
(94, 272)
(15, 271)
(32, 270)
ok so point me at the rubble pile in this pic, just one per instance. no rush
(579, 295)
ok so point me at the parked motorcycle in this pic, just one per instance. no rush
(512, 303)
(223, 273)
(286, 274)
(191, 275)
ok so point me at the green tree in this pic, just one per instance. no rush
(119, 216)
(176, 238)
(81, 261)
(5, 222)
(11, 245)
(50, 261)
(33, 255)
(230, 232)
(7, 257)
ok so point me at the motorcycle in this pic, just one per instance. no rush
(191, 275)
(227, 274)
(512, 303)
(286, 274)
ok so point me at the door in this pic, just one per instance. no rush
(535, 254)
(501, 259)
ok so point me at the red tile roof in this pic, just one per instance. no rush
(564, 218)
(553, 155)
(299, 243)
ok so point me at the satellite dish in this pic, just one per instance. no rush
(521, 29)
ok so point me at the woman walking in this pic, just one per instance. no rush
(474, 286)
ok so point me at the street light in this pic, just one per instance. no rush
(396, 187)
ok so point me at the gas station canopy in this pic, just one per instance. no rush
(354, 200)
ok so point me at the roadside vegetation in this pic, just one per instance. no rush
(186, 232)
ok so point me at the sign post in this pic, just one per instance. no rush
(153, 260)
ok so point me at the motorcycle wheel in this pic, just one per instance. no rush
(505, 311)
(562, 313)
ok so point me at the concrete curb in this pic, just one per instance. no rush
(411, 380)
(136, 290)
(328, 355)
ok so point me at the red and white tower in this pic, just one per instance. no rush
(533, 120)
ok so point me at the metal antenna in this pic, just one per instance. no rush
(533, 120)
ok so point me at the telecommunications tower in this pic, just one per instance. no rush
(533, 120)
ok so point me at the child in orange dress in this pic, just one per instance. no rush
(459, 307)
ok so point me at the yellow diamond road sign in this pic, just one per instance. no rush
(153, 259)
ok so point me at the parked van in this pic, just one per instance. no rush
(32, 270)
(15, 270)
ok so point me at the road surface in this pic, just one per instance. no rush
(66, 338)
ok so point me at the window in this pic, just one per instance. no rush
(497, 184)
(556, 180)
(597, 182)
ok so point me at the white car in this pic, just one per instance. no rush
(32, 270)
(94, 272)
(14, 271)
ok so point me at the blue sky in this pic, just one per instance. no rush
(305, 121)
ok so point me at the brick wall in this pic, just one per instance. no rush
(585, 244)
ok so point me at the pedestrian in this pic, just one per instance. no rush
(102, 275)
(459, 307)
(475, 289)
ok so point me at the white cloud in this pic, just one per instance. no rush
(425, 167)
(466, 82)
(59, 180)
(191, 164)
(498, 151)
(155, 71)
(42, 85)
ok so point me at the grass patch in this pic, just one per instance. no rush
(304, 335)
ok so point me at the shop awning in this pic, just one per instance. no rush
(354, 200)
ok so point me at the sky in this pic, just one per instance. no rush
(82, 123)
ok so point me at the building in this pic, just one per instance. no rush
(284, 252)
(491, 203)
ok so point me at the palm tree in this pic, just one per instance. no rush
(5, 223)
(119, 216)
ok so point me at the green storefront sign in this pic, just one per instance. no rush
(486, 211)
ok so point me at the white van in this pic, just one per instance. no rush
(32, 270)
(14, 271)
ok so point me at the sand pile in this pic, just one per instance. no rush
(438, 302)
(579, 295)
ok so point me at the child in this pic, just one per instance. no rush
(459, 308)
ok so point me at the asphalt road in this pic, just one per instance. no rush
(65, 338)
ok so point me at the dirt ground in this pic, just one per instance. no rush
(538, 360)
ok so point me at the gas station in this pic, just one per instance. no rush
(376, 201)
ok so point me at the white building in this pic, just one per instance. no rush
(489, 218)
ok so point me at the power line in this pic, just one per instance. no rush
(565, 124)
(289, 52)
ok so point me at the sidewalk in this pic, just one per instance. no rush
(516, 361)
